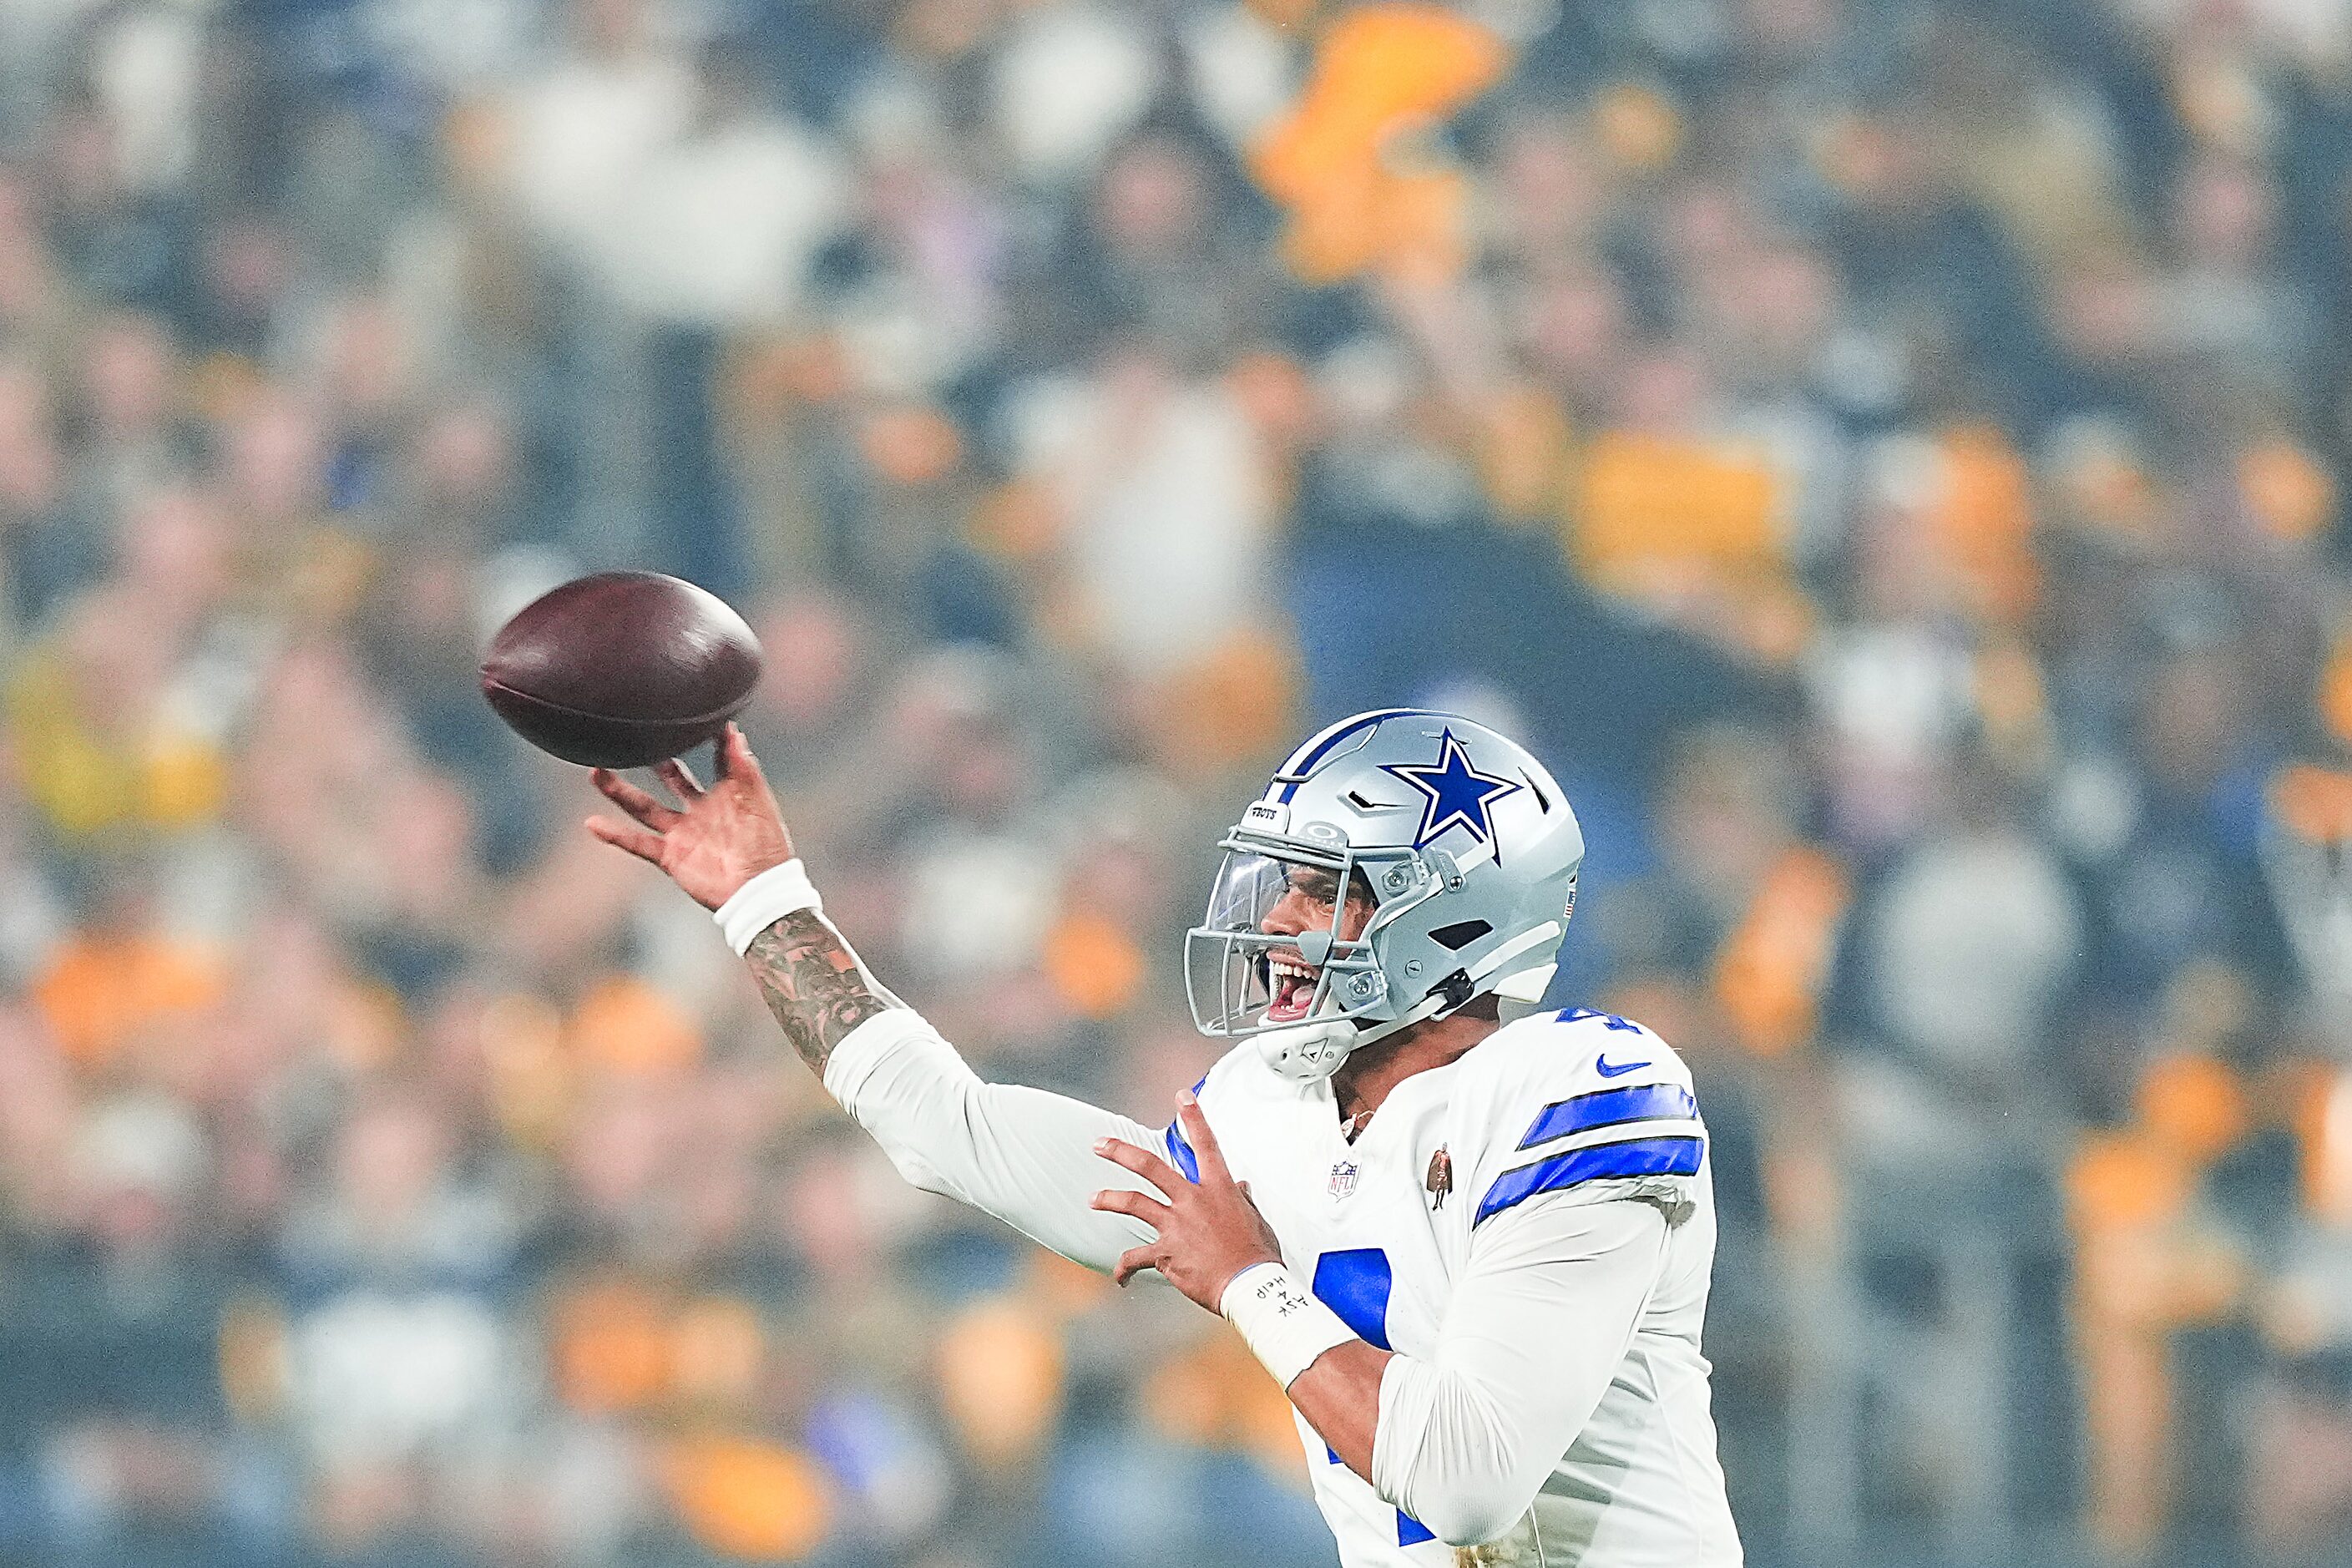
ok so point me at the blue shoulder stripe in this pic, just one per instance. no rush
(1639, 1157)
(1608, 1107)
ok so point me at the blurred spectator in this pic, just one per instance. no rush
(1892, 465)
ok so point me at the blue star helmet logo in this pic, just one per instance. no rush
(1455, 794)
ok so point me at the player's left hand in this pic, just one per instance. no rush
(1209, 1231)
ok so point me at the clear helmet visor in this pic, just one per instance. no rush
(1247, 890)
(1242, 978)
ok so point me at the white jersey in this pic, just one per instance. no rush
(1530, 1228)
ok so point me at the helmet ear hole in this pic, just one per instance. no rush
(1460, 934)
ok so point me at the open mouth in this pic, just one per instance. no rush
(1293, 986)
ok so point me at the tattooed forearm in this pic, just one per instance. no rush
(814, 984)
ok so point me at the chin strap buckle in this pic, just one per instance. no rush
(1454, 990)
(1308, 1052)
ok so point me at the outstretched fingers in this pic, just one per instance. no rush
(1142, 1207)
(1143, 1162)
(680, 779)
(652, 813)
(1204, 1142)
(1135, 1205)
(644, 846)
(734, 758)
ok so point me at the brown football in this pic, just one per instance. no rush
(620, 669)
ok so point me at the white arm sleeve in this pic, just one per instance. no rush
(1021, 1154)
(1537, 1328)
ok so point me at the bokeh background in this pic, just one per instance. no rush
(1886, 453)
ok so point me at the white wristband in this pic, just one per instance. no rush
(1286, 1327)
(778, 891)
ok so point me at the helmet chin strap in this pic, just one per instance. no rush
(1312, 1051)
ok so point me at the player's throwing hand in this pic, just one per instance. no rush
(726, 834)
(1209, 1230)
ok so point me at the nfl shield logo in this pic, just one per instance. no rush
(1343, 1179)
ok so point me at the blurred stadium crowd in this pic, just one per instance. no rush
(1886, 453)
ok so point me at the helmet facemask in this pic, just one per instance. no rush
(1243, 980)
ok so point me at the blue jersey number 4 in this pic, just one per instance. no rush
(1608, 1020)
(1356, 1285)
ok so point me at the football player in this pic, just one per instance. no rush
(1470, 1239)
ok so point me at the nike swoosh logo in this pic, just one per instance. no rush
(1616, 1070)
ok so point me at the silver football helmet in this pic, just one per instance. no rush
(1456, 846)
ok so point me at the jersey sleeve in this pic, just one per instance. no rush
(1583, 1139)
(1021, 1154)
(1538, 1326)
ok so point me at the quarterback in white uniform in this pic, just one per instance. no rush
(1469, 1237)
